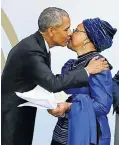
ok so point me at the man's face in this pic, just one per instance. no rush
(61, 34)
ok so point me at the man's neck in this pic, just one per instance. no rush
(48, 40)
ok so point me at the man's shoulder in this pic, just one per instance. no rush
(29, 43)
(26, 46)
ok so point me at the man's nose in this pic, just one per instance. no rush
(69, 32)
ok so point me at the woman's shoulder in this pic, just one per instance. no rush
(68, 65)
(110, 66)
(101, 56)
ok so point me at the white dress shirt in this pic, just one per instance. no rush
(47, 47)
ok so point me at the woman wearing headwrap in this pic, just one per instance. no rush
(87, 123)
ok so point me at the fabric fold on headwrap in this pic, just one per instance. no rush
(100, 33)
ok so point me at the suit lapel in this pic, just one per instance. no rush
(49, 59)
(41, 42)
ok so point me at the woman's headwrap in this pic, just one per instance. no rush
(100, 33)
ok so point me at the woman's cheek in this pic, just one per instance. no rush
(75, 41)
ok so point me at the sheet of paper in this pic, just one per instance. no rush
(38, 97)
(32, 105)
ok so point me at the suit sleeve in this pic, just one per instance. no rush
(101, 92)
(43, 76)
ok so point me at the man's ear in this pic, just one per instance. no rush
(51, 31)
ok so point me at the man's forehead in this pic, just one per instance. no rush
(65, 22)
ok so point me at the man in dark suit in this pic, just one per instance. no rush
(28, 65)
(116, 106)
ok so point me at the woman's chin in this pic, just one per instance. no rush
(69, 45)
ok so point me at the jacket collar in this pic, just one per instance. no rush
(40, 41)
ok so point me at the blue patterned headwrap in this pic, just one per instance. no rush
(100, 33)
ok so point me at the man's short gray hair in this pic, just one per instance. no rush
(51, 17)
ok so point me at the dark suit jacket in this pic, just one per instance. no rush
(116, 92)
(28, 65)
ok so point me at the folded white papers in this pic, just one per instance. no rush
(38, 97)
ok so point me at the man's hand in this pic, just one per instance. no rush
(97, 65)
(60, 110)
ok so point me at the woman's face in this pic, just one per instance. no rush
(77, 38)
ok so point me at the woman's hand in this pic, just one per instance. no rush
(60, 110)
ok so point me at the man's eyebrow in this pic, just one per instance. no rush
(67, 28)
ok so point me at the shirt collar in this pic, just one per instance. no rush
(47, 47)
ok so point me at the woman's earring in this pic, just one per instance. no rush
(84, 44)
